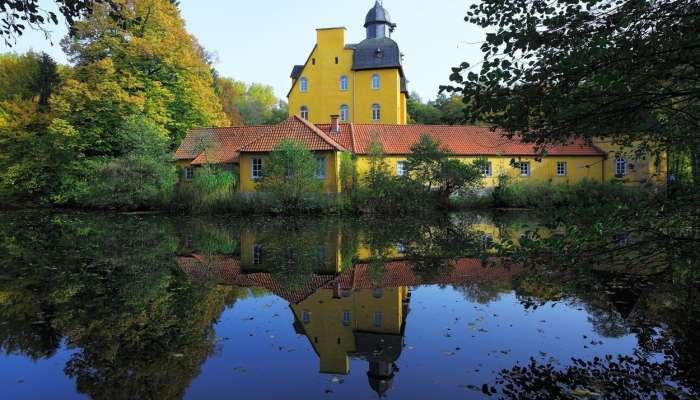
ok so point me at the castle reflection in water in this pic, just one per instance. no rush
(348, 303)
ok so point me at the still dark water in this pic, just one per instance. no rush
(136, 307)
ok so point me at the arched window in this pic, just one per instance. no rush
(344, 113)
(620, 166)
(304, 85)
(304, 112)
(376, 82)
(343, 83)
(376, 112)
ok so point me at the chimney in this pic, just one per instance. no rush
(335, 123)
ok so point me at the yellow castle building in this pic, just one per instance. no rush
(348, 95)
(361, 83)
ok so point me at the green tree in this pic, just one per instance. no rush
(622, 69)
(151, 61)
(431, 167)
(290, 175)
(422, 113)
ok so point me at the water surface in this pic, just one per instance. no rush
(126, 307)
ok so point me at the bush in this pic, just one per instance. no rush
(546, 194)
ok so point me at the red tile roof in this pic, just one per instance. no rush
(357, 138)
(459, 140)
(223, 144)
(298, 129)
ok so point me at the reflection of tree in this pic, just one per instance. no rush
(484, 292)
(110, 287)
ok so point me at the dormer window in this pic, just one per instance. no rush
(343, 83)
(304, 85)
(376, 82)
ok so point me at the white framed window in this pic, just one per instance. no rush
(304, 85)
(257, 254)
(620, 166)
(256, 168)
(524, 168)
(188, 173)
(401, 168)
(376, 112)
(343, 83)
(377, 318)
(344, 113)
(306, 317)
(401, 248)
(304, 112)
(562, 168)
(346, 317)
(321, 167)
(487, 169)
(376, 82)
(289, 171)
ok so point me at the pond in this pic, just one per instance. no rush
(150, 307)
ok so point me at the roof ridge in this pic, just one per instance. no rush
(320, 133)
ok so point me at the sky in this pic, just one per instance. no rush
(261, 40)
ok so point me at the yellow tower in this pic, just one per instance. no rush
(361, 83)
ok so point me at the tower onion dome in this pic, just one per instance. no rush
(377, 22)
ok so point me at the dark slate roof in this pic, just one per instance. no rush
(376, 54)
(377, 14)
(296, 71)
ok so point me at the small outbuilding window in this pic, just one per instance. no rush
(189, 173)
(401, 168)
(562, 168)
(320, 167)
(257, 254)
(487, 169)
(256, 168)
(524, 169)
(620, 166)
(304, 85)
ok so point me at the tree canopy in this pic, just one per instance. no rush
(623, 69)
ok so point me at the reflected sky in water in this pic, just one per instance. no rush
(152, 307)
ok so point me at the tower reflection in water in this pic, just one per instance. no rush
(346, 309)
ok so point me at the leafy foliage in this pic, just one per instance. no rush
(290, 176)
(621, 69)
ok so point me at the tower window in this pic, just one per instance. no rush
(304, 85)
(313, 61)
(344, 113)
(343, 83)
(336, 60)
(304, 112)
(376, 112)
(376, 82)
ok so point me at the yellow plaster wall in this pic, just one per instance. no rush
(640, 169)
(330, 183)
(324, 96)
(579, 168)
